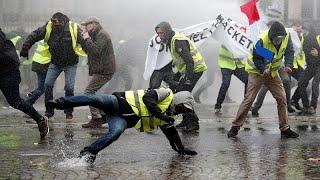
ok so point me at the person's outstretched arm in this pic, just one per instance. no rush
(172, 135)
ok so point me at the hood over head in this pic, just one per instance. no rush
(165, 26)
(277, 32)
(185, 98)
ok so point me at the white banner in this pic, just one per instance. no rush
(224, 30)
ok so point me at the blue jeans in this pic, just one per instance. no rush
(240, 73)
(107, 103)
(117, 125)
(35, 94)
(52, 75)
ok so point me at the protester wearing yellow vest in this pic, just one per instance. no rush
(144, 109)
(265, 72)
(61, 44)
(311, 48)
(299, 64)
(40, 65)
(189, 65)
(229, 66)
(286, 81)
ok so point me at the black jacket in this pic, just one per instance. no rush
(310, 42)
(60, 45)
(9, 60)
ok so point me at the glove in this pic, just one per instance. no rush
(24, 51)
(186, 151)
(165, 118)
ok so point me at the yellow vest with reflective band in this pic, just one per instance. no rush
(41, 56)
(300, 60)
(277, 59)
(15, 40)
(147, 122)
(199, 64)
(227, 60)
(73, 32)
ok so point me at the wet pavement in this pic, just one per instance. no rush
(258, 153)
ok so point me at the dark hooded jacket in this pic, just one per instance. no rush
(276, 29)
(310, 42)
(60, 44)
(181, 47)
(9, 60)
(100, 52)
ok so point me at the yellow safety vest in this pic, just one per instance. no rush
(147, 122)
(45, 53)
(277, 59)
(227, 60)
(300, 60)
(199, 64)
(41, 56)
(15, 40)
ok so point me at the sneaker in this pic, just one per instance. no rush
(217, 111)
(182, 125)
(289, 134)
(69, 116)
(290, 109)
(296, 105)
(43, 126)
(233, 132)
(94, 123)
(307, 112)
(254, 113)
(87, 156)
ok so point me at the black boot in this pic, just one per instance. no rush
(254, 112)
(233, 132)
(290, 109)
(296, 105)
(193, 122)
(289, 134)
(190, 121)
(182, 124)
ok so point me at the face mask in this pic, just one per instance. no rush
(277, 40)
(58, 28)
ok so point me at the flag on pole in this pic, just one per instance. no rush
(250, 9)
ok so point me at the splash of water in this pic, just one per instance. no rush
(73, 162)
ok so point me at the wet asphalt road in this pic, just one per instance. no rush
(257, 153)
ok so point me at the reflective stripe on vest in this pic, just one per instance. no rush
(15, 40)
(277, 59)
(147, 122)
(227, 60)
(74, 34)
(300, 60)
(199, 64)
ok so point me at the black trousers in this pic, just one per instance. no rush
(312, 71)
(9, 85)
(164, 74)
